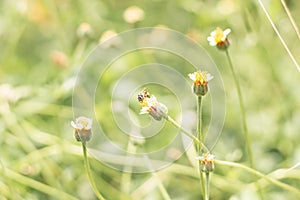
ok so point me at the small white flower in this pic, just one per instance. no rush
(219, 38)
(82, 123)
(206, 157)
(206, 162)
(83, 129)
(147, 104)
(151, 106)
(201, 77)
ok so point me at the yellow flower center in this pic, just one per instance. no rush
(219, 37)
(84, 123)
(201, 78)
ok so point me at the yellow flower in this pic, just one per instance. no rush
(200, 79)
(219, 38)
(206, 162)
(151, 106)
(83, 128)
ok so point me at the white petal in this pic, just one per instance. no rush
(212, 43)
(199, 157)
(144, 110)
(213, 34)
(209, 77)
(210, 38)
(227, 31)
(74, 125)
(192, 76)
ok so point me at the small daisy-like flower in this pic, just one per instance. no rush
(83, 129)
(200, 79)
(151, 106)
(133, 14)
(219, 38)
(206, 162)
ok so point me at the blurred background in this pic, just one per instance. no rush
(44, 44)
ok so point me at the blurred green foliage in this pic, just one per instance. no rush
(43, 47)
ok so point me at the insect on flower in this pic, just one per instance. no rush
(151, 106)
(143, 94)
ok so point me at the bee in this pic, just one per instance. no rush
(143, 94)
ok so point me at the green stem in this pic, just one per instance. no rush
(207, 176)
(202, 182)
(279, 36)
(200, 138)
(195, 139)
(291, 18)
(88, 170)
(242, 107)
(244, 120)
(199, 123)
(261, 175)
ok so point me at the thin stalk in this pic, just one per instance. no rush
(202, 182)
(259, 174)
(243, 113)
(291, 18)
(242, 107)
(279, 36)
(207, 176)
(88, 170)
(195, 139)
(199, 122)
(200, 138)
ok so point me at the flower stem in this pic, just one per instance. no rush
(195, 139)
(291, 18)
(261, 175)
(207, 176)
(199, 123)
(279, 36)
(244, 120)
(88, 170)
(202, 182)
(242, 107)
(200, 138)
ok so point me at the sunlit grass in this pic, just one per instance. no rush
(41, 53)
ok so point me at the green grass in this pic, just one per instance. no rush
(40, 158)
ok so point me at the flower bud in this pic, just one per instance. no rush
(206, 162)
(200, 79)
(83, 129)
